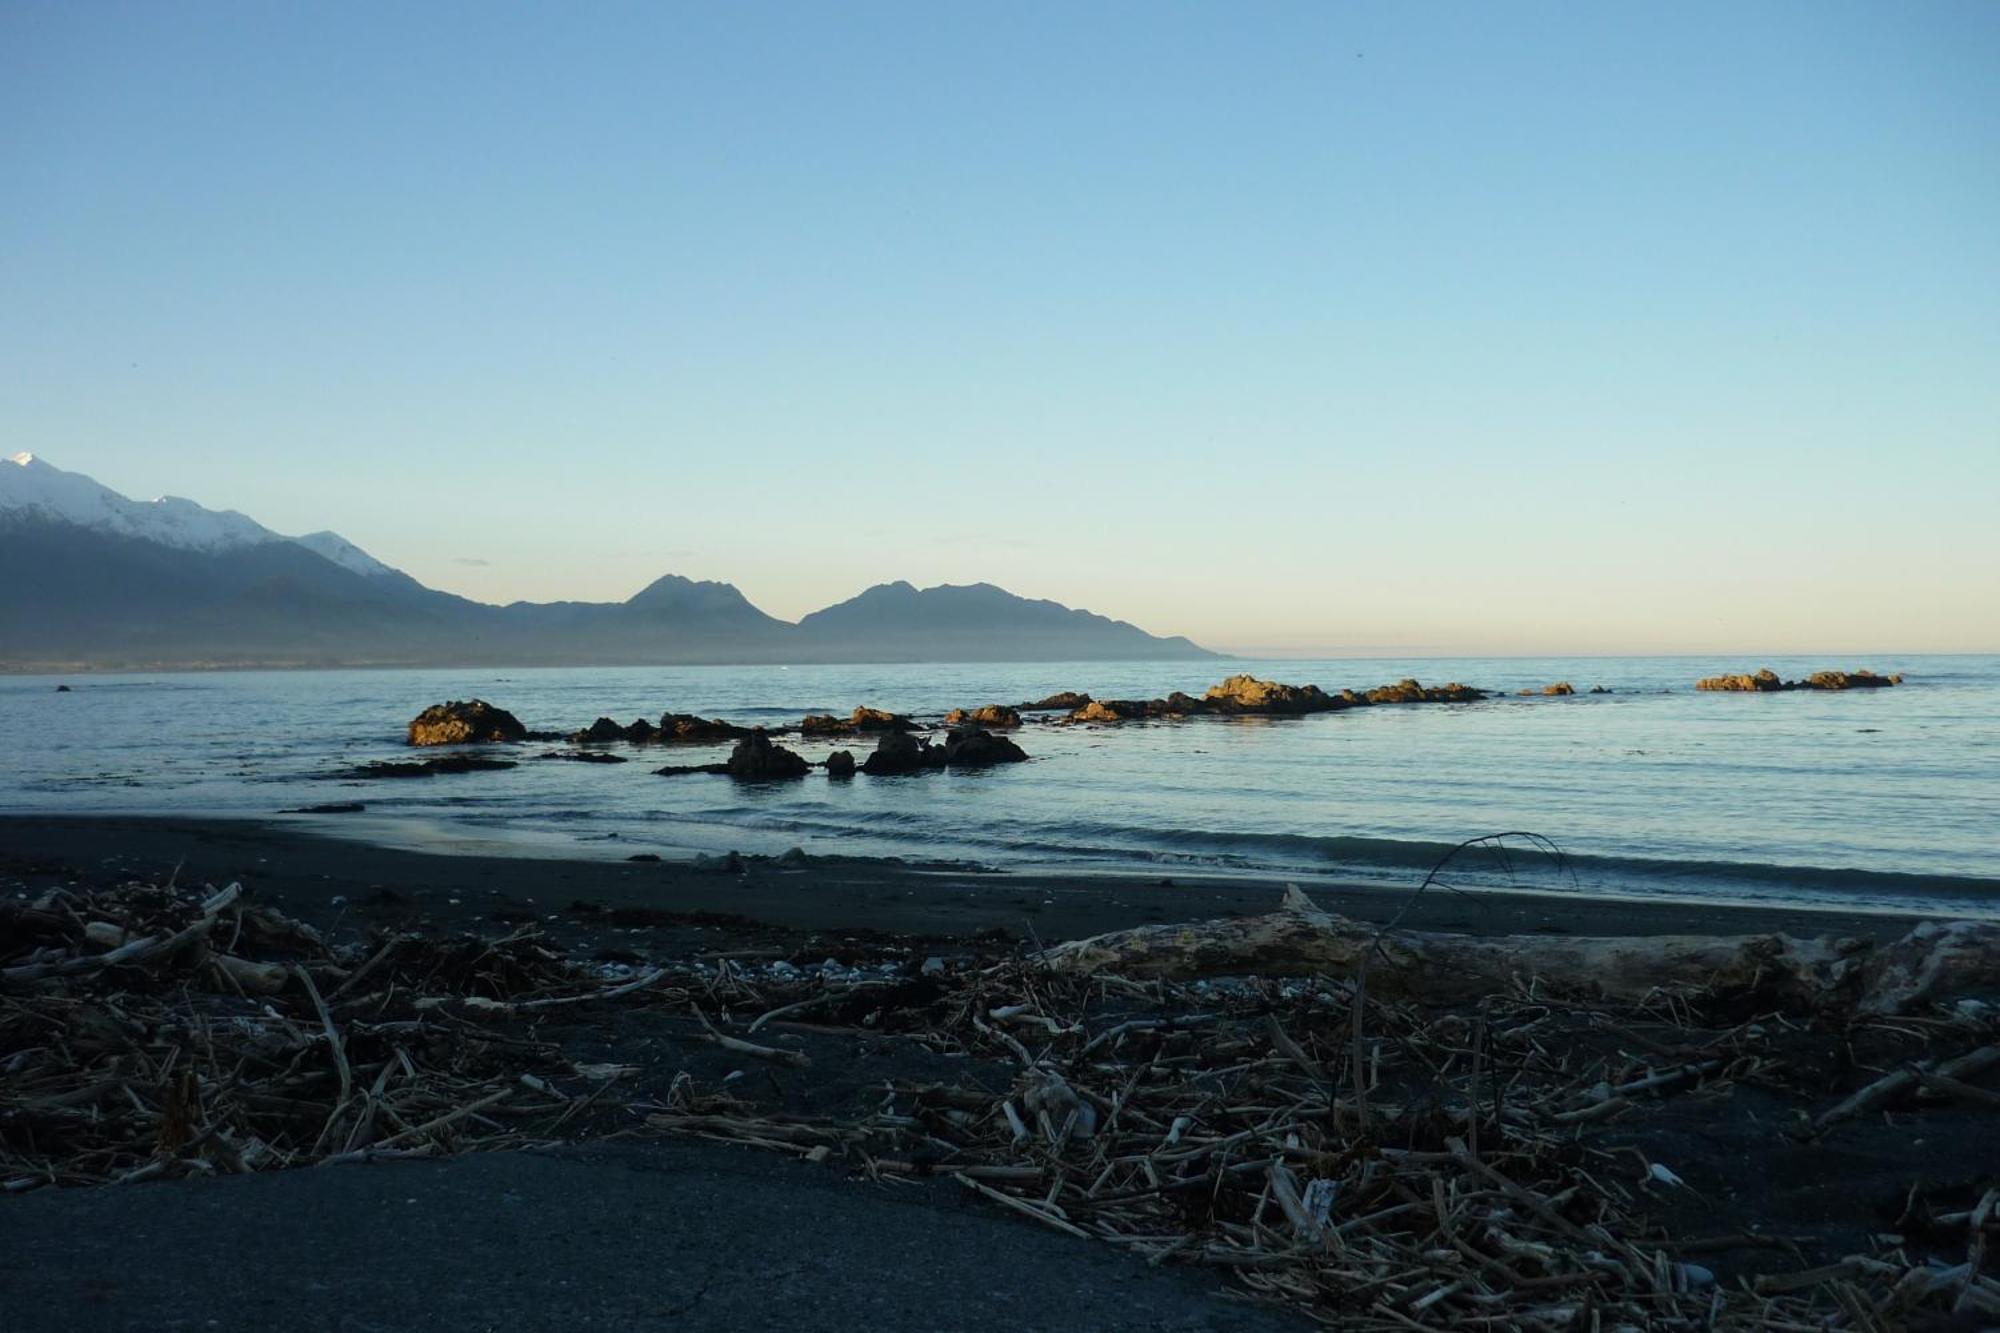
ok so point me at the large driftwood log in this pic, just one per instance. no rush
(1937, 961)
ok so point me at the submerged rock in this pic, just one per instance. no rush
(584, 756)
(973, 748)
(757, 759)
(991, 715)
(840, 764)
(900, 752)
(451, 763)
(457, 722)
(682, 770)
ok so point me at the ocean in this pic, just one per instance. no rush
(1867, 800)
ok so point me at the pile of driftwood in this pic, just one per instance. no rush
(149, 1032)
(1349, 1149)
(1376, 1162)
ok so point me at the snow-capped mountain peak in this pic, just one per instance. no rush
(31, 485)
(343, 553)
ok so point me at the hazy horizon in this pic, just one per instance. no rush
(1298, 331)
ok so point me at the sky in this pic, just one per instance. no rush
(1299, 329)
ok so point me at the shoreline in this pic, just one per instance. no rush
(324, 875)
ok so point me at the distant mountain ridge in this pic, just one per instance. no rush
(97, 580)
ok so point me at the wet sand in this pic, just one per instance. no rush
(321, 878)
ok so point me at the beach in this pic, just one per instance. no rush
(325, 879)
(612, 1224)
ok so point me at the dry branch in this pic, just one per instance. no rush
(1934, 962)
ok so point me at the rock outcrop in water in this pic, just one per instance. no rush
(1111, 710)
(1768, 681)
(972, 747)
(1064, 701)
(1849, 680)
(1763, 682)
(991, 715)
(899, 752)
(1407, 691)
(689, 728)
(459, 722)
(1247, 694)
(840, 764)
(1561, 687)
(757, 758)
(863, 719)
(604, 730)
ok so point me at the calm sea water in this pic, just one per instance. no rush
(1878, 799)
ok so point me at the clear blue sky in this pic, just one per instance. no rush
(1314, 327)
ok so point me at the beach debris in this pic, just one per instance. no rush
(461, 721)
(1936, 961)
(1375, 1161)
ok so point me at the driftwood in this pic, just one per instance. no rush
(1937, 961)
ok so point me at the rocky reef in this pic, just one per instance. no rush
(1248, 696)
(1767, 681)
(756, 758)
(991, 715)
(462, 721)
(863, 719)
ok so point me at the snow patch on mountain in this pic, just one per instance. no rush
(343, 553)
(31, 485)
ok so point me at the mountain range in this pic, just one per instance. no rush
(97, 580)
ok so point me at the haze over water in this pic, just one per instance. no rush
(1864, 799)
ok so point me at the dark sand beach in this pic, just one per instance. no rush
(291, 866)
(645, 1233)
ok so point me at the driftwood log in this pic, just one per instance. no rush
(1935, 962)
